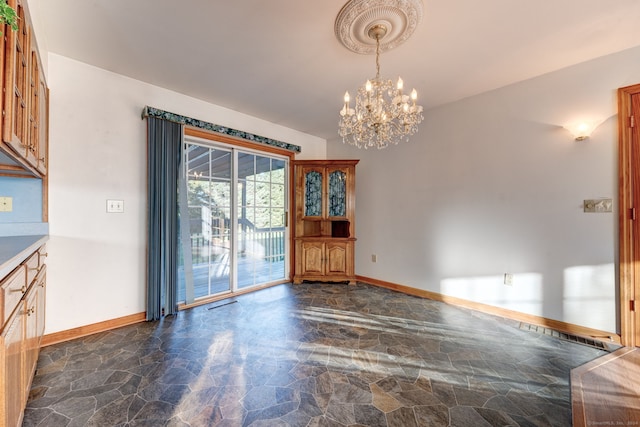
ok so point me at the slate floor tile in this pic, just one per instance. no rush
(312, 355)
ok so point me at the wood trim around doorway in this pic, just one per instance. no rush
(627, 263)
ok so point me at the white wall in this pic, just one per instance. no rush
(96, 263)
(493, 184)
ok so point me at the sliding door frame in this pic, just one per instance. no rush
(239, 144)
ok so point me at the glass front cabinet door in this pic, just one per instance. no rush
(337, 193)
(313, 192)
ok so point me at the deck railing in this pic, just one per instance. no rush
(268, 244)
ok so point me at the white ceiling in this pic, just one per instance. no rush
(280, 60)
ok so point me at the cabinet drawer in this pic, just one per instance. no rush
(33, 266)
(13, 287)
(42, 256)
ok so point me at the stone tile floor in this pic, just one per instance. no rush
(310, 355)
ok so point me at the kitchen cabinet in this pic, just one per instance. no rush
(22, 293)
(23, 150)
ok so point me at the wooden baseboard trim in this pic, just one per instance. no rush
(557, 325)
(83, 331)
(70, 334)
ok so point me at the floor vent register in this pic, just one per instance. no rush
(591, 342)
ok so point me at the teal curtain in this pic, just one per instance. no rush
(164, 148)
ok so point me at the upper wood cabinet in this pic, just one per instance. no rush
(16, 87)
(325, 197)
(324, 220)
(24, 100)
(42, 124)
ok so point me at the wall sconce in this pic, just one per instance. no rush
(581, 130)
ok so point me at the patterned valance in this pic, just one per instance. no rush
(188, 121)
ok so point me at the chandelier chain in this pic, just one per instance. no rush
(377, 57)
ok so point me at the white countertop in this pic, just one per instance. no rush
(15, 249)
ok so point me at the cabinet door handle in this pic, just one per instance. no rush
(23, 289)
(30, 311)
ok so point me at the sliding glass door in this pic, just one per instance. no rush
(261, 205)
(236, 207)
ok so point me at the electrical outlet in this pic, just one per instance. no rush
(508, 279)
(374, 258)
(6, 204)
(115, 206)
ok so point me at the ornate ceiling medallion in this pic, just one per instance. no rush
(357, 17)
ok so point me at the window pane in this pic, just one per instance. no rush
(263, 219)
(221, 193)
(246, 218)
(220, 164)
(263, 169)
(263, 194)
(277, 218)
(277, 171)
(277, 195)
(246, 168)
(197, 161)
(246, 193)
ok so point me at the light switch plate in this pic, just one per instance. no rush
(115, 206)
(6, 204)
(598, 205)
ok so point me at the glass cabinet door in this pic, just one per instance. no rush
(313, 193)
(337, 193)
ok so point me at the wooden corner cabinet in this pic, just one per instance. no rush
(324, 220)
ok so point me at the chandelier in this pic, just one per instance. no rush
(383, 113)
